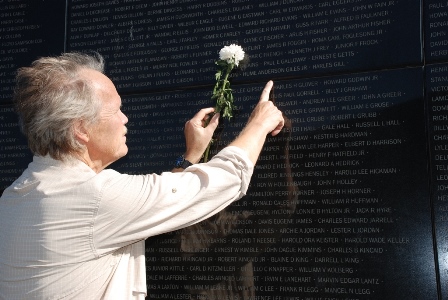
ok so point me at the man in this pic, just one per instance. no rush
(69, 229)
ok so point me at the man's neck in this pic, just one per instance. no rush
(96, 165)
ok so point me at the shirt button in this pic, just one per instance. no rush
(174, 190)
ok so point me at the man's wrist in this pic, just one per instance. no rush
(193, 156)
(181, 162)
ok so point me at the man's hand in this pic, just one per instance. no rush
(266, 115)
(265, 118)
(198, 134)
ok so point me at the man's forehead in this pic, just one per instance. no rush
(103, 86)
(96, 78)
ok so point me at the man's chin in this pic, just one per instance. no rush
(125, 151)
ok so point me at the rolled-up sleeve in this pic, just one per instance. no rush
(235, 164)
(134, 207)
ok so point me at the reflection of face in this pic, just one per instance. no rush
(107, 140)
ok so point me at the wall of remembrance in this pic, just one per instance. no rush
(350, 202)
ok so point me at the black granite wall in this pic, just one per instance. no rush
(350, 202)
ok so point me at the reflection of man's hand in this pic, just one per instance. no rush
(288, 124)
(287, 128)
(282, 138)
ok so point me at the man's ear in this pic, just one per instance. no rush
(80, 131)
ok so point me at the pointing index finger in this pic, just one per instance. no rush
(265, 93)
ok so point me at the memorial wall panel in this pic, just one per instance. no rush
(162, 44)
(330, 209)
(436, 30)
(14, 152)
(349, 202)
(26, 33)
(437, 108)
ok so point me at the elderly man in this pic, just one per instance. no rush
(71, 229)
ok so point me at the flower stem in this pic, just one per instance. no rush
(220, 103)
(207, 151)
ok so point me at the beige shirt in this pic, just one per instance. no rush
(69, 233)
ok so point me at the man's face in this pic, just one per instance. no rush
(107, 140)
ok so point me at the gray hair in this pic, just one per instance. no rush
(50, 96)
